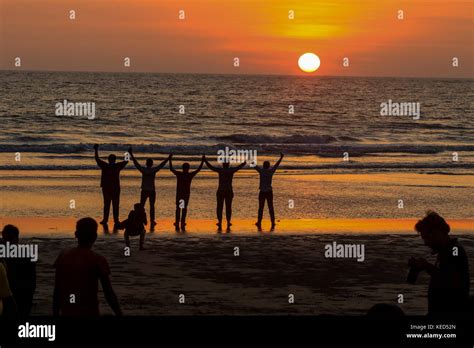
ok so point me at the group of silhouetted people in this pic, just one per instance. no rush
(134, 225)
(79, 271)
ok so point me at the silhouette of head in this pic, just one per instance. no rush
(10, 234)
(186, 167)
(433, 229)
(138, 206)
(385, 311)
(266, 165)
(149, 163)
(86, 231)
(112, 159)
(225, 165)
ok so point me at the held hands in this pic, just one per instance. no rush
(281, 155)
(96, 146)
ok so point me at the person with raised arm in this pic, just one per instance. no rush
(148, 183)
(224, 192)
(266, 191)
(183, 191)
(110, 183)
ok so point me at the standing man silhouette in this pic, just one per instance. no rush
(78, 272)
(110, 183)
(266, 191)
(148, 184)
(224, 192)
(183, 191)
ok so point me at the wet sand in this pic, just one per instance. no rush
(258, 281)
(64, 226)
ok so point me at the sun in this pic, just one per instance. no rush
(309, 62)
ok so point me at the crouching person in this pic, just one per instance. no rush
(135, 225)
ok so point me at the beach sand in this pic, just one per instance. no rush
(202, 266)
(352, 208)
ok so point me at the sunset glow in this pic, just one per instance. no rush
(267, 39)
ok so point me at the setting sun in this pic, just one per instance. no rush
(309, 62)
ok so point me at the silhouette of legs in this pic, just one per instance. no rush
(224, 197)
(107, 200)
(181, 211)
(228, 207)
(152, 196)
(116, 207)
(220, 206)
(270, 208)
(261, 205)
(142, 239)
(262, 197)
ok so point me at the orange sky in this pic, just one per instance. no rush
(257, 31)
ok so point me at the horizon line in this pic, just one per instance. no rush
(235, 74)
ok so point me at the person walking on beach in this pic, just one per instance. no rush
(135, 225)
(183, 191)
(110, 183)
(148, 184)
(78, 271)
(224, 192)
(266, 191)
(448, 290)
(21, 274)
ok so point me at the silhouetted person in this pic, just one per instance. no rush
(266, 191)
(183, 191)
(448, 290)
(135, 224)
(224, 192)
(78, 271)
(148, 184)
(21, 274)
(8, 308)
(385, 311)
(110, 183)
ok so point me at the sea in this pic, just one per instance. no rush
(324, 126)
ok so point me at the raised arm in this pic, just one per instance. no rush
(276, 165)
(100, 163)
(175, 172)
(239, 167)
(210, 166)
(162, 164)
(122, 164)
(200, 167)
(135, 162)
